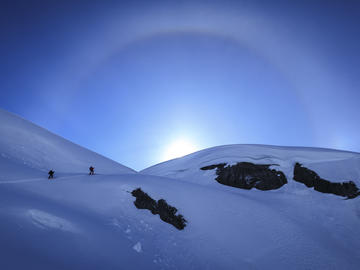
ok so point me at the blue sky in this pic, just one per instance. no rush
(127, 79)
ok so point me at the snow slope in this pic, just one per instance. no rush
(77, 221)
(36, 151)
(86, 222)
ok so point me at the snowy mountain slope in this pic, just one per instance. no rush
(86, 222)
(334, 165)
(77, 221)
(37, 150)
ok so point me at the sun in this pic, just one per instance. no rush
(179, 148)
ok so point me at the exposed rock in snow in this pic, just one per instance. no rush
(247, 175)
(144, 201)
(215, 166)
(312, 179)
(167, 212)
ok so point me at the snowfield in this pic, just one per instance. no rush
(77, 221)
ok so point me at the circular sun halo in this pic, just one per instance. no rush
(179, 148)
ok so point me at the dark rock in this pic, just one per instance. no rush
(167, 212)
(211, 167)
(144, 201)
(247, 175)
(312, 179)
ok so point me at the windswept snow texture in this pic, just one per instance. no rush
(77, 221)
(36, 151)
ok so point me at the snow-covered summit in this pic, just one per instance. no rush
(37, 150)
(334, 165)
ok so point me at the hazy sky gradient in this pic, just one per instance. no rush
(127, 79)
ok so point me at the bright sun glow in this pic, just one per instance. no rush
(179, 148)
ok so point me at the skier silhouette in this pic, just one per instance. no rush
(51, 174)
(91, 170)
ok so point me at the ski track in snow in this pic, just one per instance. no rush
(24, 181)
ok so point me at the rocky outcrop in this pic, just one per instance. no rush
(166, 212)
(312, 179)
(247, 175)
